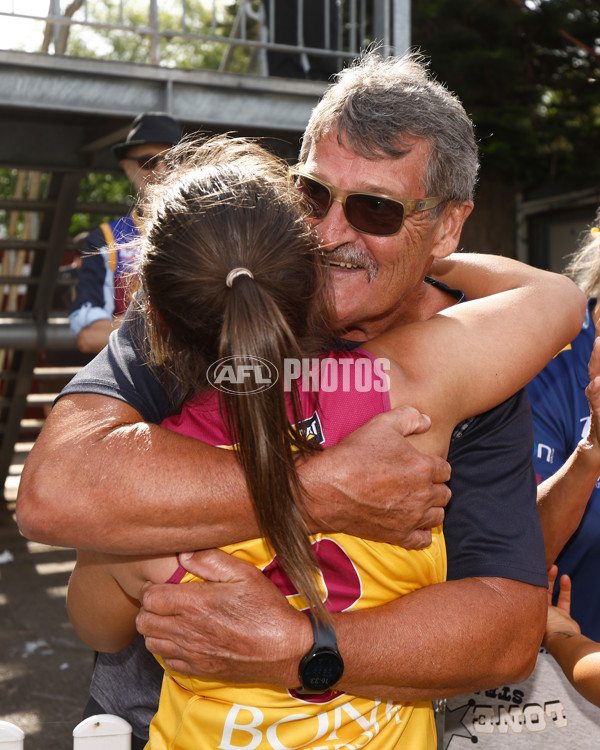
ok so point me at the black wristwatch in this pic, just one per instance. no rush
(323, 665)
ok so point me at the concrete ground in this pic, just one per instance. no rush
(44, 668)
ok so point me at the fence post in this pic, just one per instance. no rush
(11, 737)
(102, 732)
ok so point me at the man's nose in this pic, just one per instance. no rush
(334, 229)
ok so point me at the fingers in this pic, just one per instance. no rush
(594, 363)
(168, 617)
(564, 595)
(173, 601)
(592, 393)
(552, 573)
(441, 474)
(419, 539)
(216, 566)
(409, 421)
(172, 655)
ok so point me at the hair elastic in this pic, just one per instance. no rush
(235, 272)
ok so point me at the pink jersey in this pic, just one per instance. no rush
(352, 388)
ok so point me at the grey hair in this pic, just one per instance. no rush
(584, 263)
(376, 101)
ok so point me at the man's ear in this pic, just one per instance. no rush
(449, 227)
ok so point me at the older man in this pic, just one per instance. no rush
(384, 139)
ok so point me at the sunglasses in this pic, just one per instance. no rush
(147, 161)
(370, 213)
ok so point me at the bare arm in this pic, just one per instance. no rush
(481, 352)
(99, 609)
(479, 275)
(578, 656)
(94, 337)
(563, 497)
(421, 646)
(147, 490)
(104, 592)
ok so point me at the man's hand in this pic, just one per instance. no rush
(237, 627)
(386, 489)
(228, 627)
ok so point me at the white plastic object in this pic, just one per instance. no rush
(11, 737)
(102, 732)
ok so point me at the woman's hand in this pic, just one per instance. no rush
(559, 616)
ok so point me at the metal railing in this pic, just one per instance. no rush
(213, 30)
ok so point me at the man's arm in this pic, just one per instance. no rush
(480, 630)
(98, 477)
(94, 337)
(441, 640)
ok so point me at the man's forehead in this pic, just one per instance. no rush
(400, 148)
(331, 159)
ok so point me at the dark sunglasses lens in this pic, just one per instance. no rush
(148, 162)
(317, 195)
(373, 215)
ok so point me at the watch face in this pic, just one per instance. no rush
(321, 670)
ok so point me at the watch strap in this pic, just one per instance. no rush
(323, 635)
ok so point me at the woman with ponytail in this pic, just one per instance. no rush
(233, 297)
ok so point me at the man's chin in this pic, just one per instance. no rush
(350, 325)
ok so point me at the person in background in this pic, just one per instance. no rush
(383, 141)
(108, 255)
(229, 273)
(546, 711)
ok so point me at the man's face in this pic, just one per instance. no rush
(369, 296)
(138, 169)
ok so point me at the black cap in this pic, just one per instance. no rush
(150, 127)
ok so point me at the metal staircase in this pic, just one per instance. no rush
(32, 255)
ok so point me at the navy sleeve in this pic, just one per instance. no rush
(492, 527)
(91, 273)
(553, 427)
(119, 371)
(94, 293)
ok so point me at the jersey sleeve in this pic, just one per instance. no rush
(492, 526)
(120, 371)
(549, 393)
(94, 294)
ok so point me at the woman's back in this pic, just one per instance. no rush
(350, 388)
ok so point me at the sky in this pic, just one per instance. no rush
(27, 34)
(18, 33)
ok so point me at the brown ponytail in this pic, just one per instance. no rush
(229, 204)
